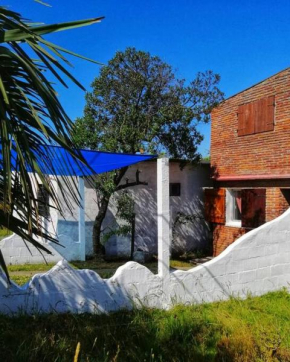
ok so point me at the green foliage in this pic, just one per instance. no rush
(256, 329)
(104, 184)
(125, 207)
(31, 115)
(121, 230)
(138, 103)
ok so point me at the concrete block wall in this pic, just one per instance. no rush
(15, 252)
(257, 263)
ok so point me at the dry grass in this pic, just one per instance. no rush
(256, 329)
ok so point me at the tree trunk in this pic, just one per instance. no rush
(132, 237)
(97, 245)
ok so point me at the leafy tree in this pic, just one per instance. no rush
(30, 116)
(137, 103)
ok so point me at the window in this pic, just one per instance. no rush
(237, 208)
(174, 189)
(256, 117)
(234, 208)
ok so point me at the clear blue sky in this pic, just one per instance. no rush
(244, 41)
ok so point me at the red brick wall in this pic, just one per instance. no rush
(224, 235)
(265, 153)
(262, 153)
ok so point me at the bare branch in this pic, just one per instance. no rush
(130, 184)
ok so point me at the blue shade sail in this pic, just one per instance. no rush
(58, 161)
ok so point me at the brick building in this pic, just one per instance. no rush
(250, 159)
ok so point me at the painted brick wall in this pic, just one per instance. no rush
(262, 153)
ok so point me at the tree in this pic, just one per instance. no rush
(126, 214)
(30, 116)
(137, 103)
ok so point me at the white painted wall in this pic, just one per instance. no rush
(256, 263)
(15, 252)
(66, 226)
(194, 235)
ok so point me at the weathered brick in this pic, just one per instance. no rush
(266, 153)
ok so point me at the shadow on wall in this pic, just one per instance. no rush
(63, 289)
(257, 263)
(188, 236)
(190, 231)
(117, 245)
(146, 223)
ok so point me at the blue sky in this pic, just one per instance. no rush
(244, 41)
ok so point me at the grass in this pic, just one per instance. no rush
(180, 264)
(21, 274)
(256, 329)
(4, 233)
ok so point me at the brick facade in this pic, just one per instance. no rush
(260, 160)
(266, 153)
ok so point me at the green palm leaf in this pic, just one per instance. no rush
(31, 115)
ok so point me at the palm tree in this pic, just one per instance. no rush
(30, 116)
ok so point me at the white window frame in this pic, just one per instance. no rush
(230, 221)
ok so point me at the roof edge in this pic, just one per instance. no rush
(254, 85)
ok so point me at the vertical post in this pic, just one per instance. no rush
(53, 213)
(82, 225)
(163, 218)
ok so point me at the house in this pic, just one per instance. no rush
(189, 230)
(250, 160)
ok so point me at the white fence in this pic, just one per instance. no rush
(256, 263)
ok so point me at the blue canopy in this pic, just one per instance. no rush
(63, 164)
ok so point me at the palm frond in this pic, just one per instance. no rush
(31, 116)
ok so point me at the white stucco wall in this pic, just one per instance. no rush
(256, 263)
(65, 226)
(194, 235)
(16, 251)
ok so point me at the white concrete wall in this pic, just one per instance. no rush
(195, 235)
(256, 263)
(15, 251)
(66, 225)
